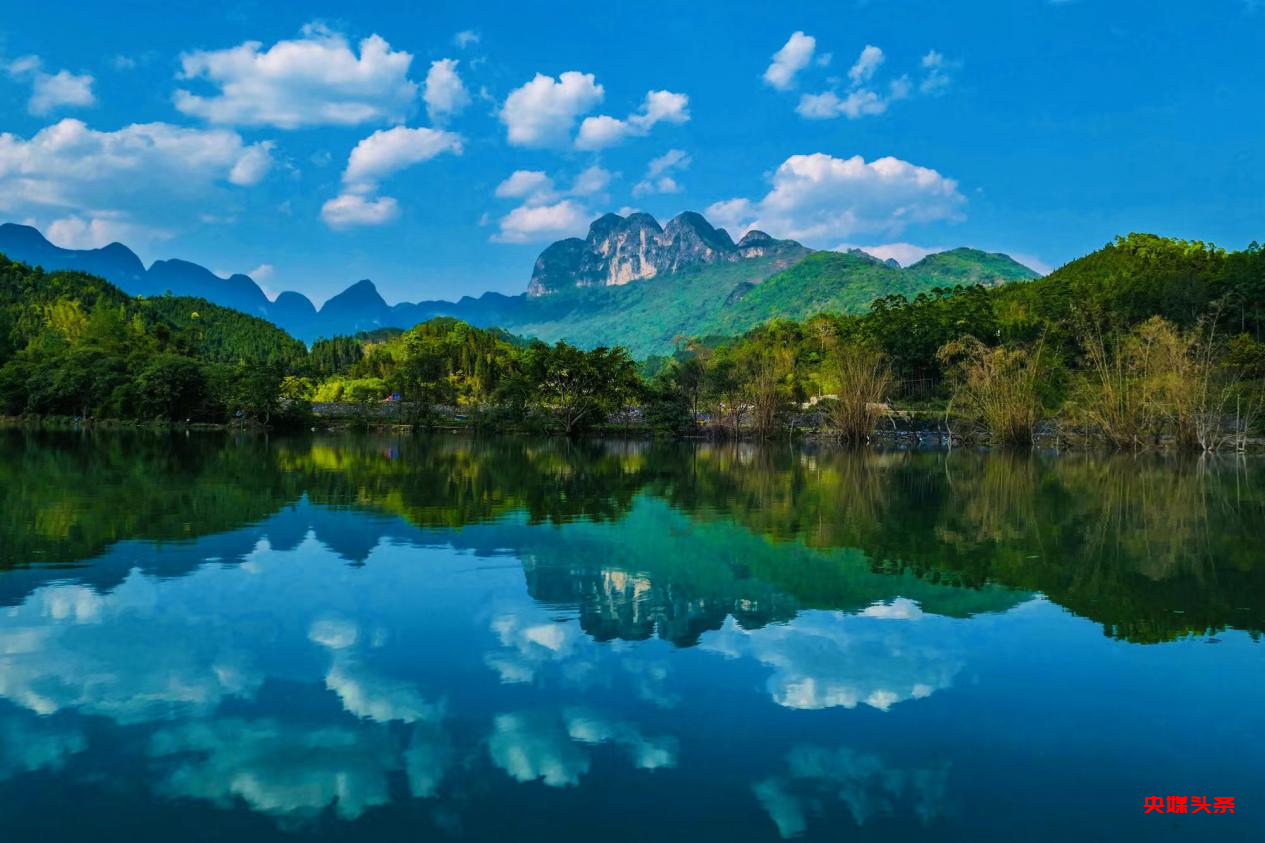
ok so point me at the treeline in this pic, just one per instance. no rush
(74, 345)
(1148, 341)
(773, 527)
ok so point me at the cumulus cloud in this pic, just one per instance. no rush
(29, 743)
(57, 657)
(351, 210)
(97, 229)
(860, 98)
(445, 94)
(525, 183)
(660, 174)
(866, 64)
(465, 38)
(854, 104)
(530, 748)
(936, 70)
(543, 112)
(823, 660)
(904, 254)
(592, 180)
(593, 728)
(68, 164)
(866, 783)
(137, 180)
(540, 746)
(658, 107)
(546, 212)
(52, 91)
(536, 223)
(383, 153)
(819, 196)
(387, 151)
(364, 692)
(285, 769)
(795, 55)
(315, 80)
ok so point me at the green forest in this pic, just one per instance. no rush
(1146, 342)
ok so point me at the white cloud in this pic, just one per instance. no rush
(861, 99)
(384, 152)
(253, 165)
(314, 80)
(285, 769)
(387, 151)
(531, 748)
(866, 64)
(904, 254)
(659, 178)
(52, 91)
(827, 105)
(68, 648)
(658, 107)
(540, 746)
(465, 38)
(936, 70)
(545, 212)
(543, 111)
(866, 783)
(29, 743)
(93, 232)
(602, 131)
(819, 196)
(523, 184)
(445, 94)
(590, 181)
(593, 728)
(794, 56)
(68, 163)
(351, 210)
(262, 273)
(140, 179)
(880, 658)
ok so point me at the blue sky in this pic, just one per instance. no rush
(437, 147)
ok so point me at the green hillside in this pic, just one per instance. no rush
(970, 266)
(647, 317)
(73, 344)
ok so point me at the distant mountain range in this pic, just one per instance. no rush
(630, 282)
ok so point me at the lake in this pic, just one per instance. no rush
(205, 637)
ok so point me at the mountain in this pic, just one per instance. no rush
(620, 250)
(630, 282)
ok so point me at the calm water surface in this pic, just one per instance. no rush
(206, 638)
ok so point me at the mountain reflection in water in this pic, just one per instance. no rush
(372, 638)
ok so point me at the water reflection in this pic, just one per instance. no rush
(863, 782)
(451, 636)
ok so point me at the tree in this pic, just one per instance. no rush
(578, 388)
(171, 387)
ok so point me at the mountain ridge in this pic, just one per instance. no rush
(620, 250)
(630, 282)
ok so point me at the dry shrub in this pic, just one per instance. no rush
(997, 388)
(1161, 385)
(860, 379)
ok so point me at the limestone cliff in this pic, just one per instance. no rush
(619, 250)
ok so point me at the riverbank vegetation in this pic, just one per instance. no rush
(1148, 342)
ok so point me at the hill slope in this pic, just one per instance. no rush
(630, 282)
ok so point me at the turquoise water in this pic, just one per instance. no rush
(384, 639)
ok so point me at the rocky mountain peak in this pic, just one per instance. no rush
(620, 250)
